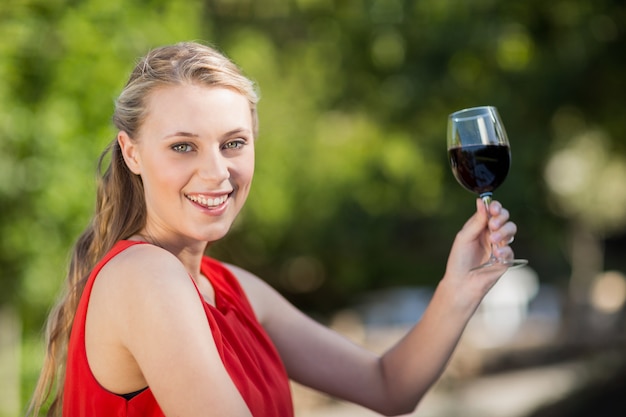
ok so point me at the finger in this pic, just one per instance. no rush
(504, 235)
(495, 207)
(476, 224)
(495, 222)
(506, 242)
(504, 252)
(480, 207)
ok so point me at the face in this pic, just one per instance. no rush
(195, 155)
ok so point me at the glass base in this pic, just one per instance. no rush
(510, 264)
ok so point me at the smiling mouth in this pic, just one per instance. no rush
(208, 202)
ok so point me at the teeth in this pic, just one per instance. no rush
(207, 202)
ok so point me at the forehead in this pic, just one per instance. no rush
(195, 106)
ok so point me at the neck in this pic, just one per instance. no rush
(189, 253)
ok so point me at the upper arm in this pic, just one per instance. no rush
(313, 354)
(159, 318)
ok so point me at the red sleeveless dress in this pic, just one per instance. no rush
(246, 351)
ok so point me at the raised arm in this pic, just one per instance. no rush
(395, 382)
(414, 364)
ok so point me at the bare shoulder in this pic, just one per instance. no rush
(139, 287)
(260, 294)
(140, 264)
(143, 279)
(149, 310)
(247, 279)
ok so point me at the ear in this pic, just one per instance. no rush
(129, 152)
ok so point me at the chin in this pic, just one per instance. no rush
(214, 235)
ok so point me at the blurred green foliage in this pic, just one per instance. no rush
(353, 191)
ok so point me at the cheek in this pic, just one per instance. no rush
(251, 166)
(245, 167)
(163, 177)
(249, 169)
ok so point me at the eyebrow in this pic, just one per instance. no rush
(195, 135)
(238, 131)
(183, 134)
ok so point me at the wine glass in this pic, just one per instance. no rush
(480, 157)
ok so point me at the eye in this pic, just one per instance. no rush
(235, 144)
(182, 147)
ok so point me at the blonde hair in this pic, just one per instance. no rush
(120, 206)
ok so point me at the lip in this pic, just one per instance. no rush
(213, 203)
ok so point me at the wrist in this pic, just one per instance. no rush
(457, 299)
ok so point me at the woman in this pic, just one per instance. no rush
(153, 327)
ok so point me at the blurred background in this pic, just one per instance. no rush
(354, 206)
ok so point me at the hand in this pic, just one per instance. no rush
(472, 247)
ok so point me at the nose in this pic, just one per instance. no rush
(213, 166)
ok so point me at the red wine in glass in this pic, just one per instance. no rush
(480, 168)
(480, 158)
